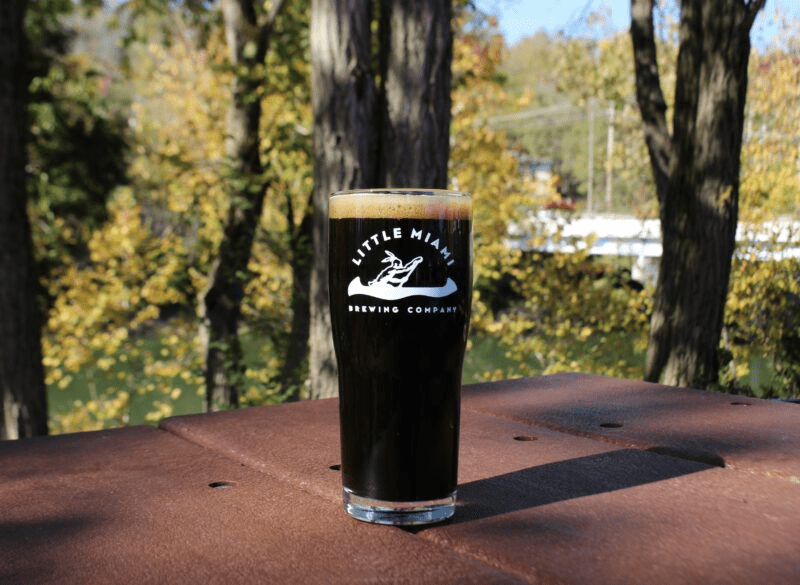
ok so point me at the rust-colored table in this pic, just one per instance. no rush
(563, 479)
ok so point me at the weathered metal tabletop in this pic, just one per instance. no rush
(563, 479)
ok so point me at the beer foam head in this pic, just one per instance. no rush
(400, 204)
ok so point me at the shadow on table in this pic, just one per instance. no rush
(25, 546)
(752, 434)
(566, 480)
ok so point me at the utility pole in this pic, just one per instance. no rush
(609, 157)
(590, 179)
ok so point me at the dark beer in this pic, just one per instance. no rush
(400, 290)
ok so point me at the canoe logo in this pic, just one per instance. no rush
(390, 282)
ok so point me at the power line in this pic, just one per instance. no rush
(534, 113)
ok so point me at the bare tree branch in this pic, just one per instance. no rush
(265, 30)
(649, 95)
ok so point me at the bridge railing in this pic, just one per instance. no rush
(628, 236)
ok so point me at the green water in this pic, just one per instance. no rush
(483, 355)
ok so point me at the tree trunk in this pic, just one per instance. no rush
(23, 410)
(222, 300)
(343, 100)
(292, 373)
(396, 135)
(699, 195)
(417, 57)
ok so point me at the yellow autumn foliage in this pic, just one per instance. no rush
(127, 316)
(123, 322)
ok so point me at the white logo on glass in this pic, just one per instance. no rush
(389, 285)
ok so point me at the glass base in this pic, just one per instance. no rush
(398, 513)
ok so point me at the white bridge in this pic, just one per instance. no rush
(619, 235)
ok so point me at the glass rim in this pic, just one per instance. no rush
(410, 191)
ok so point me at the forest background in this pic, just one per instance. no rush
(128, 174)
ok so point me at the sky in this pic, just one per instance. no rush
(520, 18)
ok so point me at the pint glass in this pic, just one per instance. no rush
(400, 290)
